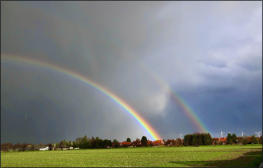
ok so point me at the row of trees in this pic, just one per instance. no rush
(233, 139)
(85, 142)
(174, 142)
(22, 147)
(195, 139)
(81, 142)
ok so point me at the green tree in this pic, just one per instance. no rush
(194, 140)
(98, 143)
(83, 142)
(107, 143)
(234, 138)
(115, 143)
(207, 139)
(229, 139)
(254, 140)
(63, 144)
(128, 139)
(200, 139)
(188, 140)
(144, 141)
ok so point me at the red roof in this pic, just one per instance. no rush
(223, 139)
(125, 143)
(157, 142)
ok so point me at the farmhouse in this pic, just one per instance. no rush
(222, 140)
(217, 141)
(125, 144)
(157, 142)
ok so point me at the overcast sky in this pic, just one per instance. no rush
(209, 53)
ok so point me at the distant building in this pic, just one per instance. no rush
(219, 141)
(44, 149)
(223, 140)
(157, 142)
(125, 144)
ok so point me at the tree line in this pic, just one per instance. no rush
(85, 142)
(197, 139)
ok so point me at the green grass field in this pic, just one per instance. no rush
(222, 156)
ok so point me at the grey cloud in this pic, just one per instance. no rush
(208, 52)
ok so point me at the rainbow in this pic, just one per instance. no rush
(187, 109)
(154, 135)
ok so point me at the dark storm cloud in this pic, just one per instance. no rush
(208, 52)
(50, 107)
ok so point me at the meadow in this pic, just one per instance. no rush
(221, 156)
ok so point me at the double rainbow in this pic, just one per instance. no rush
(186, 108)
(154, 135)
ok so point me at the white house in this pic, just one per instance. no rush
(44, 149)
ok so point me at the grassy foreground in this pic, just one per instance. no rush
(221, 156)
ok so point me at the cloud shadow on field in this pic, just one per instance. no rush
(249, 159)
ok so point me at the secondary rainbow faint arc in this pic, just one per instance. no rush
(97, 86)
(187, 109)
